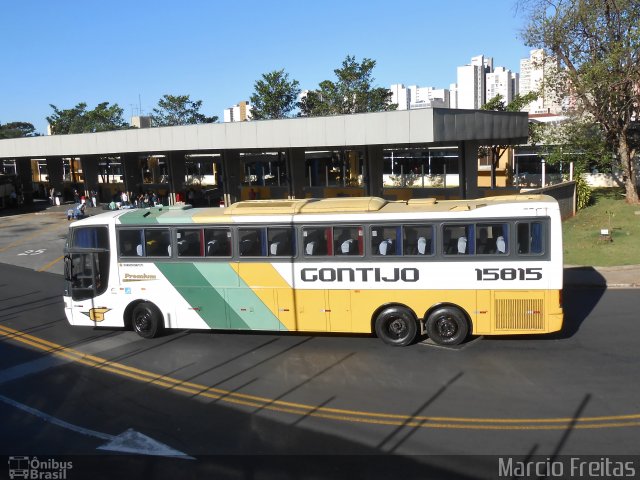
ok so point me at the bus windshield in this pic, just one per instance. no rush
(87, 261)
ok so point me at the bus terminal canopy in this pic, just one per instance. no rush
(436, 126)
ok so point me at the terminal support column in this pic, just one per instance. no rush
(374, 160)
(468, 165)
(296, 172)
(132, 173)
(231, 176)
(177, 173)
(25, 180)
(55, 173)
(90, 173)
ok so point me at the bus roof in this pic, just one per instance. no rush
(179, 214)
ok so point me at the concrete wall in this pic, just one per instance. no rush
(565, 194)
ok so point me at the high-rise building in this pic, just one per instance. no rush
(453, 95)
(238, 113)
(400, 96)
(428, 97)
(501, 81)
(470, 85)
(532, 74)
(413, 96)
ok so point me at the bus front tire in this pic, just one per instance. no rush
(447, 326)
(146, 320)
(396, 326)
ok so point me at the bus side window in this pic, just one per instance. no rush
(458, 240)
(217, 242)
(130, 243)
(315, 241)
(417, 240)
(189, 242)
(530, 238)
(280, 241)
(384, 240)
(348, 240)
(251, 242)
(157, 242)
(492, 239)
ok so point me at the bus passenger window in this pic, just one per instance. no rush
(251, 242)
(384, 240)
(530, 238)
(417, 240)
(491, 239)
(280, 242)
(316, 240)
(455, 240)
(130, 243)
(189, 242)
(217, 242)
(348, 240)
(157, 242)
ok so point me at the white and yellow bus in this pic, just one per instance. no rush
(396, 269)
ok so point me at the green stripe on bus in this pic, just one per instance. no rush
(222, 300)
(155, 216)
(136, 217)
(198, 293)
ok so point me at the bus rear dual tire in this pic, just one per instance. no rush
(398, 326)
(146, 320)
(447, 326)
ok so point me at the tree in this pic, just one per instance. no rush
(78, 119)
(17, 130)
(179, 110)
(274, 96)
(581, 142)
(518, 104)
(352, 92)
(596, 43)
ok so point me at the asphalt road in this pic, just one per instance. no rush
(249, 405)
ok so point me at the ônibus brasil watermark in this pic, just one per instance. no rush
(34, 468)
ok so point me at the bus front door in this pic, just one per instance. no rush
(83, 283)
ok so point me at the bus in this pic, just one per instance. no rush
(395, 269)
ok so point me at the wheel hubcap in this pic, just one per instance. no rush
(397, 328)
(446, 327)
(143, 322)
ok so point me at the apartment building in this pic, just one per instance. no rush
(501, 81)
(238, 113)
(532, 73)
(413, 96)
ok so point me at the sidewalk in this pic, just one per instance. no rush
(44, 207)
(626, 276)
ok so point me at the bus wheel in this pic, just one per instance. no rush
(396, 326)
(447, 326)
(146, 320)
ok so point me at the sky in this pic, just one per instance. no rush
(135, 51)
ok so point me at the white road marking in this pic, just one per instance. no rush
(50, 361)
(29, 368)
(128, 441)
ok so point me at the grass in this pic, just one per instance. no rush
(583, 244)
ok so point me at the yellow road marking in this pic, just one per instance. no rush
(611, 421)
(50, 264)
